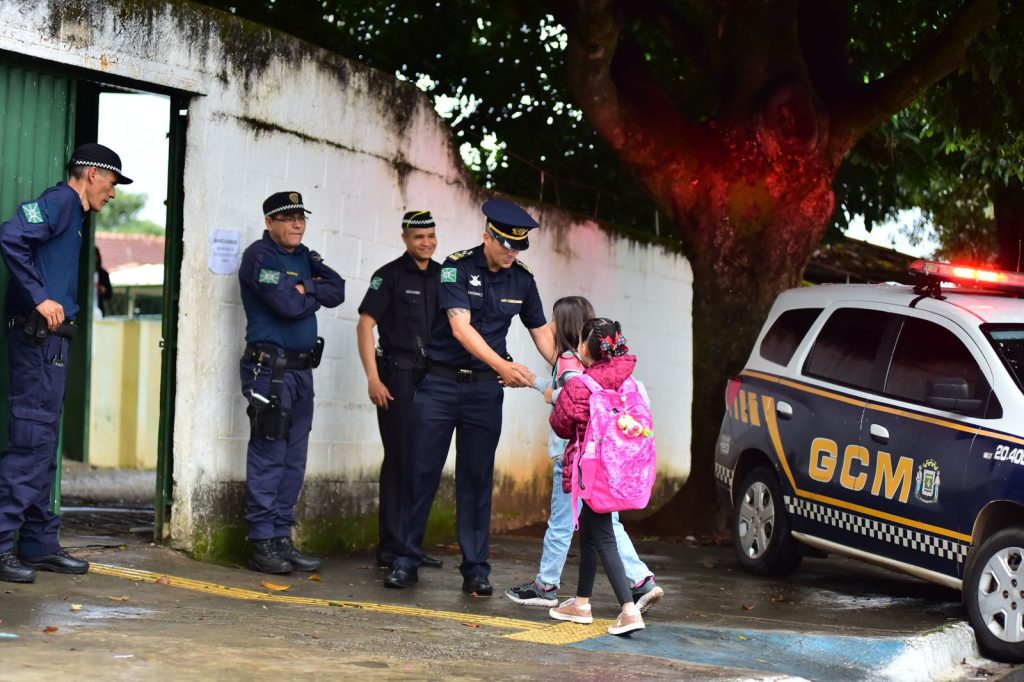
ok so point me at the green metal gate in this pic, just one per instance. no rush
(37, 115)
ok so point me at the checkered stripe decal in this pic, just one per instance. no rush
(879, 530)
(723, 474)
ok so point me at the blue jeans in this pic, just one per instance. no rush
(559, 536)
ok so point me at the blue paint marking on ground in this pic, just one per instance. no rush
(808, 655)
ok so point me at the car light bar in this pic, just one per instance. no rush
(1001, 280)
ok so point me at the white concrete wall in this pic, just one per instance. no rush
(338, 132)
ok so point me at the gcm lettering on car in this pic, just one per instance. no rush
(887, 423)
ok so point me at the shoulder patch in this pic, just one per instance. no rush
(376, 282)
(449, 275)
(523, 265)
(32, 212)
(269, 276)
(460, 254)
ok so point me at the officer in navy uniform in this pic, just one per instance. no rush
(401, 302)
(41, 245)
(481, 290)
(283, 285)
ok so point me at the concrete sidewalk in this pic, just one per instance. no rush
(147, 612)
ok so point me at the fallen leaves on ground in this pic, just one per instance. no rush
(274, 586)
(163, 580)
(472, 625)
(76, 607)
(315, 578)
(748, 607)
(117, 598)
(50, 628)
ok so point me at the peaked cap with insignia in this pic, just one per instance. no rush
(283, 201)
(508, 223)
(93, 154)
(417, 219)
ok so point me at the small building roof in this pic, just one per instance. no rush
(120, 251)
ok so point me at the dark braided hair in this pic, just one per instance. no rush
(603, 338)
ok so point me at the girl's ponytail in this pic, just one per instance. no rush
(604, 339)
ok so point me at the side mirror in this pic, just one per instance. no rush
(952, 394)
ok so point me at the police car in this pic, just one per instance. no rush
(886, 422)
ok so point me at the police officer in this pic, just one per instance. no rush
(481, 290)
(283, 285)
(401, 303)
(41, 246)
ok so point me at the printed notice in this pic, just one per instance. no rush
(225, 251)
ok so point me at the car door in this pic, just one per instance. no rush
(920, 451)
(819, 415)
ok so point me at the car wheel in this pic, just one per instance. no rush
(760, 528)
(993, 594)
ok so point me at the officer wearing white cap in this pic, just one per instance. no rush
(481, 290)
(400, 302)
(41, 246)
(283, 285)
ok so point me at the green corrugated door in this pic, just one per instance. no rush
(36, 134)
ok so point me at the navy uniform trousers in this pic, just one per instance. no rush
(396, 427)
(274, 469)
(473, 410)
(28, 467)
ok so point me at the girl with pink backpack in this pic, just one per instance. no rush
(609, 368)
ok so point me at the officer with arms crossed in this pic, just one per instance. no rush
(401, 303)
(283, 285)
(41, 246)
(481, 290)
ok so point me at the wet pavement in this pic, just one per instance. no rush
(146, 612)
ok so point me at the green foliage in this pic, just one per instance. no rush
(121, 215)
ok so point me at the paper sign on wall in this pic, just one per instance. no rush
(225, 251)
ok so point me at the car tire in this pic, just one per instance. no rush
(760, 526)
(993, 595)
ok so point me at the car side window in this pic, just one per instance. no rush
(847, 346)
(786, 333)
(925, 352)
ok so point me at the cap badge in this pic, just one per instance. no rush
(519, 232)
(293, 197)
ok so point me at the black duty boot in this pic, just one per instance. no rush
(58, 562)
(265, 558)
(298, 560)
(13, 571)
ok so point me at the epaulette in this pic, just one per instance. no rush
(460, 254)
(524, 266)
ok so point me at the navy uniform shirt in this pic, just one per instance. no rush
(275, 311)
(41, 245)
(402, 298)
(493, 299)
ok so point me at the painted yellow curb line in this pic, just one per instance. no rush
(527, 630)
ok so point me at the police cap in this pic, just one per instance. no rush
(283, 201)
(93, 154)
(418, 219)
(508, 223)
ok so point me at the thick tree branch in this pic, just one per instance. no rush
(619, 119)
(872, 104)
(688, 39)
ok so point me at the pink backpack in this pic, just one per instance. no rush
(616, 461)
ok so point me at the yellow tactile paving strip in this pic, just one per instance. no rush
(525, 630)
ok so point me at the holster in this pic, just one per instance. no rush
(35, 329)
(267, 418)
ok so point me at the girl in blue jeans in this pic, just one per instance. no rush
(567, 320)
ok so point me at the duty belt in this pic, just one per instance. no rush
(263, 354)
(67, 328)
(463, 376)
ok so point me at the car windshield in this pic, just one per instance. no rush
(1008, 340)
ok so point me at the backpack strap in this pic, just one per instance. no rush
(590, 382)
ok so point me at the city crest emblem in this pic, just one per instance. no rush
(474, 280)
(926, 483)
(33, 214)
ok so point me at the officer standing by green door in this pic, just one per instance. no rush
(41, 245)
